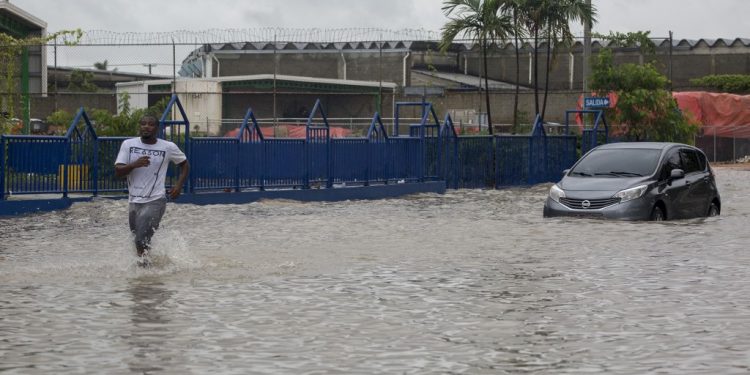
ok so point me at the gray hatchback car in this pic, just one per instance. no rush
(637, 181)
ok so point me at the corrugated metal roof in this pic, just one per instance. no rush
(280, 77)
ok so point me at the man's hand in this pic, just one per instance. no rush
(143, 161)
(122, 170)
(175, 192)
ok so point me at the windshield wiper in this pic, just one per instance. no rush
(581, 174)
(619, 174)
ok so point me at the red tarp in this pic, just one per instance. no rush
(293, 131)
(720, 114)
(725, 115)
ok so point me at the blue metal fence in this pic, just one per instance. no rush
(592, 136)
(81, 162)
(513, 164)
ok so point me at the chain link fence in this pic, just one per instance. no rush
(725, 143)
(104, 72)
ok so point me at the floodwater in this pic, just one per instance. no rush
(473, 282)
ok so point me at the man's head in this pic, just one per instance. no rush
(148, 126)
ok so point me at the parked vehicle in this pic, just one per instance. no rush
(637, 181)
(37, 126)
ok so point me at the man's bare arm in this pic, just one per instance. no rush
(122, 170)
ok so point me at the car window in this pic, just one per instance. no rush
(702, 160)
(672, 161)
(620, 162)
(690, 161)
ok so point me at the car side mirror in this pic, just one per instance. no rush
(565, 172)
(676, 174)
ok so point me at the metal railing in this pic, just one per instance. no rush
(81, 162)
(724, 143)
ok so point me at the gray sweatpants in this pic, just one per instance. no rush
(144, 219)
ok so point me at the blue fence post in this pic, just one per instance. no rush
(237, 166)
(96, 166)
(496, 143)
(66, 161)
(2, 167)
(306, 152)
(368, 161)
(191, 176)
(329, 162)
(264, 173)
(456, 145)
(189, 151)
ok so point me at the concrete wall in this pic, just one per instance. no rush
(41, 107)
(234, 105)
(686, 64)
(201, 100)
(566, 67)
(366, 65)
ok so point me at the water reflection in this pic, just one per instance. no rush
(472, 282)
(149, 324)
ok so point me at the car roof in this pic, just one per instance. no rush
(642, 145)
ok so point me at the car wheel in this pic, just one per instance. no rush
(657, 214)
(713, 210)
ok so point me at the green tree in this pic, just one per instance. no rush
(60, 119)
(125, 123)
(101, 65)
(80, 81)
(645, 109)
(733, 83)
(550, 20)
(515, 9)
(482, 22)
(11, 49)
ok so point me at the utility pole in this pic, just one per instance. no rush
(586, 52)
(275, 119)
(174, 70)
(56, 73)
(380, 75)
(149, 67)
(671, 36)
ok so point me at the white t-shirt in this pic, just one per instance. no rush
(146, 184)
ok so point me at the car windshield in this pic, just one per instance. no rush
(623, 162)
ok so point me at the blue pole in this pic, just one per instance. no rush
(329, 160)
(455, 162)
(264, 166)
(306, 178)
(2, 167)
(368, 149)
(96, 166)
(237, 166)
(66, 160)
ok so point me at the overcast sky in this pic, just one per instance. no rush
(688, 19)
(691, 19)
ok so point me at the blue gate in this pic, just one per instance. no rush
(318, 151)
(591, 137)
(82, 162)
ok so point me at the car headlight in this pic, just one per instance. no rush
(555, 193)
(632, 193)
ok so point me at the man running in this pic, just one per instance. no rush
(144, 160)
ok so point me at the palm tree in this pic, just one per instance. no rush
(101, 65)
(532, 17)
(551, 19)
(480, 21)
(515, 9)
(559, 16)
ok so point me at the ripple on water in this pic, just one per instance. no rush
(471, 281)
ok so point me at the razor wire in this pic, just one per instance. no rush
(289, 35)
